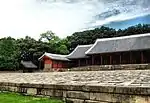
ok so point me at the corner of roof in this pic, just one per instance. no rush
(92, 46)
(42, 56)
(72, 51)
(85, 45)
(78, 46)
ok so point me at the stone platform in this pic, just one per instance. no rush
(139, 78)
(120, 86)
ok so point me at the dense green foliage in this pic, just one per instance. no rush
(9, 54)
(18, 98)
(90, 36)
(13, 51)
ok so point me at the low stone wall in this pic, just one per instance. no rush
(117, 86)
(18, 71)
(82, 93)
(111, 67)
(101, 68)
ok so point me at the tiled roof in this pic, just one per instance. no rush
(55, 56)
(79, 52)
(119, 44)
(28, 64)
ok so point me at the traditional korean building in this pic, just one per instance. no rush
(78, 56)
(133, 49)
(28, 66)
(54, 62)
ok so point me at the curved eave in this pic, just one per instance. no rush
(72, 55)
(53, 58)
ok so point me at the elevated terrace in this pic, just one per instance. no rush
(120, 86)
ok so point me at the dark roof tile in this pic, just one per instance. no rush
(79, 52)
(28, 64)
(119, 44)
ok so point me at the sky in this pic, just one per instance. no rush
(19, 18)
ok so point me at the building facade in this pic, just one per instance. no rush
(134, 49)
(54, 62)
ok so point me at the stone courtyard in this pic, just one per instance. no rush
(119, 86)
(135, 78)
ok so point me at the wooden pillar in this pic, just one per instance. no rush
(120, 59)
(92, 59)
(101, 60)
(86, 62)
(110, 57)
(79, 63)
(56, 64)
(40, 64)
(142, 57)
(130, 55)
(52, 64)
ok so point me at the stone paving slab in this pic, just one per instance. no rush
(131, 78)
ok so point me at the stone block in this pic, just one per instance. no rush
(47, 92)
(91, 101)
(78, 95)
(70, 100)
(51, 92)
(21, 90)
(140, 99)
(77, 87)
(31, 91)
(13, 89)
(101, 97)
(2, 88)
(120, 98)
(58, 93)
(102, 89)
(64, 94)
(44, 92)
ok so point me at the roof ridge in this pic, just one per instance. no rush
(84, 45)
(124, 37)
(56, 54)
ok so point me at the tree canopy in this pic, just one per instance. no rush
(9, 54)
(12, 51)
(90, 36)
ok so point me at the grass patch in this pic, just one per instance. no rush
(18, 98)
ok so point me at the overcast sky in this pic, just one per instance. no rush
(19, 18)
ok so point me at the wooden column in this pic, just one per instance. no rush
(120, 58)
(142, 57)
(101, 60)
(130, 57)
(92, 59)
(79, 63)
(56, 64)
(40, 64)
(110, 57)
(86, 62)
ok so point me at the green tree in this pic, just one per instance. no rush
(9, 54)
(58, 45)
(90, 36)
